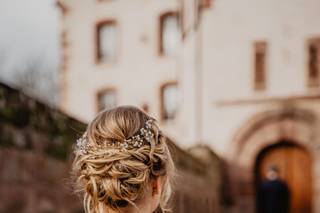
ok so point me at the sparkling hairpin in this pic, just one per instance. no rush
(142, 137)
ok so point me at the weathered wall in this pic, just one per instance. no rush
(34, 145)
(35, 141)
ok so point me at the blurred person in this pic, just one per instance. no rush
(274, 194)
(123, 164)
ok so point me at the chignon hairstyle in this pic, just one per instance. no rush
(117, 178)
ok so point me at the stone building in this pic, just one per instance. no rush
(241, 76)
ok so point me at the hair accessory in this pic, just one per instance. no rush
(142, 137)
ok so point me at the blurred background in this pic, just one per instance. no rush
(233, 84)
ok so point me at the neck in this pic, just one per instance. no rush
(132, 209)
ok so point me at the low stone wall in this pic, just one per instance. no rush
(32, 182)
(198, 182)
(35, 142)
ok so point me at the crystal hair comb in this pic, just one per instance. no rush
(142, 137)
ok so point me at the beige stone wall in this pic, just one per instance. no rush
(215, 62)
(138, 72)
(226, 36)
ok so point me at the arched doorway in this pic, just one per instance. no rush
(295, 169)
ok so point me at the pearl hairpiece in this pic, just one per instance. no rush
(142, 137)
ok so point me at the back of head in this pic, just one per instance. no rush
(116, 159)
(273, 173)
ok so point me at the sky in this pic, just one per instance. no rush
(29, 31)
(29, 37)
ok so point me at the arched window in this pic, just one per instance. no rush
(106, 99)
(169, 101)
(169, 33)
(106, 48)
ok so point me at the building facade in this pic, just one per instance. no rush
(113, 56)
(242, 77)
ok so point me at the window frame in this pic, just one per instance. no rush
(205, 4)
(101, 92)
(260, 47)
(162, 107)
(313, 81)
(98, 26)
(162, 17)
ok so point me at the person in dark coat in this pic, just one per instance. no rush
(273, 194)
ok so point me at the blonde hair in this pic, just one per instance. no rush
(117, 177)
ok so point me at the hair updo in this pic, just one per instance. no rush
(118, 177)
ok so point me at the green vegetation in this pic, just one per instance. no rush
(23, 116)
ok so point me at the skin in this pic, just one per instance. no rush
(151, 200)
(149, 203)
(272, 175)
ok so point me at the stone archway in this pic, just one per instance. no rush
(264, 130)
(294, 166)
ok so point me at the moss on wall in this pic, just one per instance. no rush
(25, 114)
